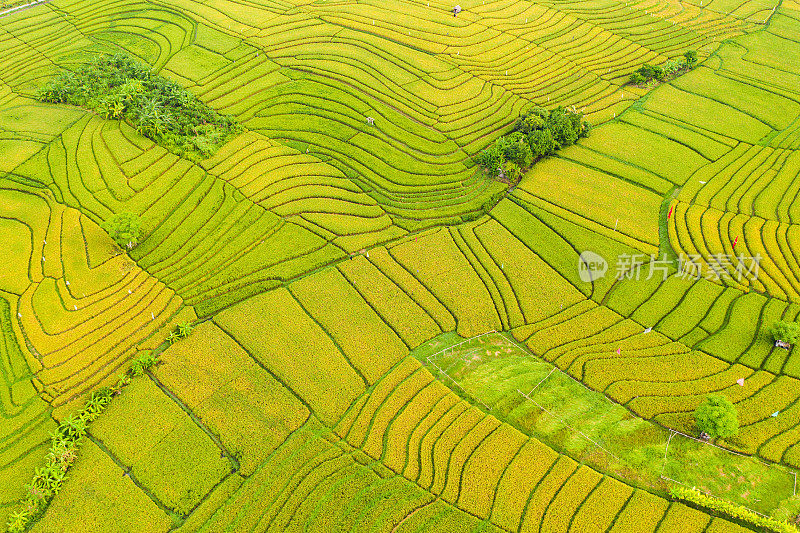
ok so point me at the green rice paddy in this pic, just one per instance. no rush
(383, 337)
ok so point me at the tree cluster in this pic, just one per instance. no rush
(537, 133)
(670, 69)
(120, 87)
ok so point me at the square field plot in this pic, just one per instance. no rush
(96, 496)
(166, 451)
(235, 398)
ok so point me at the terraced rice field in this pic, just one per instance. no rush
(386, 339)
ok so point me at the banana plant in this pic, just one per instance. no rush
(17, 521)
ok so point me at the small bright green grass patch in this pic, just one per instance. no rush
(540, 400)
(735, 478)
(119, 87)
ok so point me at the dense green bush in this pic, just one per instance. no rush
(537, 133)
(124, 228)
(670, 69)
(737, 512)
(716, 415)
(785, 331)
(181, 331)
(119, 87)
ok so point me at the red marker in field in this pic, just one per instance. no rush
(735, 241)
(619, 350)
(669, 215)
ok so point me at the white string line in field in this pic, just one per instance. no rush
(752, 457)
(430, 360)
(457, 384)
(672, 433)
(35, 2)
(542, 381)
(585, 436)
(675, 432)
(460, 343)
(527, 396)
(714, 495)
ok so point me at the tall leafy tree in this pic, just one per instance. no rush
(717, 416)
(124, 228)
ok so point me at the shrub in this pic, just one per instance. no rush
(536, 134)
(637, 78)
(670, 69)
(513, 171)
(785, 331)
(532, 121)
(143, 363)
(490, 160)
(515, 148)
(181, 331)
(716, 415)
(542, 143)
(124, 228)
(690, 56)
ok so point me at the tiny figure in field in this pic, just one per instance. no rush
(456, 10)
(370, 121)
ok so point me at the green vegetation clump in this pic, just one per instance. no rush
(537, 133)
(785, 331)
(181, 331)
(143, 363)
(669, 70)
(737, 512)
(717, 417)
(120, 87)
(124, 228)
